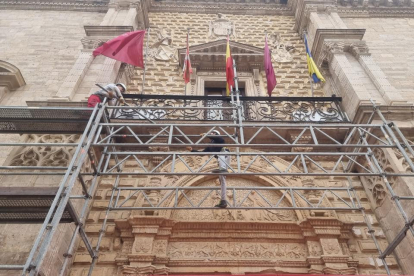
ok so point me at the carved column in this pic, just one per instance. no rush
(148, 254)
(324, 239)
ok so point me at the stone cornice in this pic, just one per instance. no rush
(107, 30)
(261, 7)
(334, 34)
(55, 5)
(374, 12)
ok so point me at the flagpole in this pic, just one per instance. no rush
(185, 84)
(145, 61)
(311, 82)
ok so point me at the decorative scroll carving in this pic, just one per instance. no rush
(221, 27)
(236, 250)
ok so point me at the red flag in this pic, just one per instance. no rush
(270, 73)
(187, 70)
(229, 69)
(127, 48)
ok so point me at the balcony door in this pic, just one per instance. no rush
(216, 90)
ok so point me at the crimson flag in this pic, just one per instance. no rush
(229, 69)
(187, 70)
(270, 73)
(127, 48)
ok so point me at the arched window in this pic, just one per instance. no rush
(10, 76)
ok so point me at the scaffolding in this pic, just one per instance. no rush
(120, 134)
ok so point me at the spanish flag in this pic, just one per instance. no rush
(229, 69)
(313, 70)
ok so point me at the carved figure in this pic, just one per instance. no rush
(281, 52)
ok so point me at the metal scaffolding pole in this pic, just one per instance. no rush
(344, 150)
(45, 236)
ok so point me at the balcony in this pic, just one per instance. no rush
(217, 108)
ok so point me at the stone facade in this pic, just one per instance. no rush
(362, 57)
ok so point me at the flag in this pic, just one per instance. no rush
(270, 73)
(187, 70)
(127, 48)
(313, 70)
(229, 69)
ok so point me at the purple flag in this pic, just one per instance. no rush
(270, 73)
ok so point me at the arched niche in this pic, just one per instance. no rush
(10, 76)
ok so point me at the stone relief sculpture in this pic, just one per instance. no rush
(281, 52)
(221, 27)
(235, 250)
(162, 49)
(252, 200)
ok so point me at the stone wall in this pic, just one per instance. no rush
(44, 45)
(390, 41)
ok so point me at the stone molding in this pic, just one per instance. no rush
(319, 47)
(10, 76)
(258, 7)
(67, 5)
(346, 8)
(331, 47)
(374, 12)
(97, 35)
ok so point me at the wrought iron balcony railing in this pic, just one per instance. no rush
(202, 108)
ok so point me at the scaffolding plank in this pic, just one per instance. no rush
(29, 205)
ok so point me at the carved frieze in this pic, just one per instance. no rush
(250, 200)
(236, 250)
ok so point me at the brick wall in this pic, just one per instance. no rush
(391, 43)
(44, 45)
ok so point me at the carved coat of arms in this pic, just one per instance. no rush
(221, 27)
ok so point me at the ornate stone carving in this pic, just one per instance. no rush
(160, 247)
(281, 51)
(314, 248)
(143, 245)
(162, 50)
(331, 247)
(27, 158)
(221, 27)
(379, 194)
(236, 250)
(252, 200)
(91, 43)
